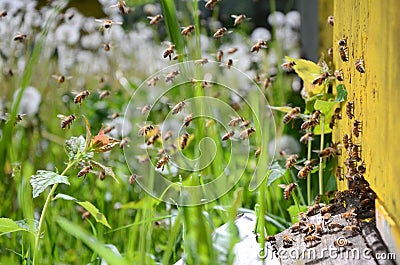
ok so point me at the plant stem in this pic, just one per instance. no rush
(309, 177)
(321, 147)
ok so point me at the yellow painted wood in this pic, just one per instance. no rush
(325, 30)
(373, 33)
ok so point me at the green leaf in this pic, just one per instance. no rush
(326, 107)
(284, 109)
(25, 224)
(88, 133)
(145, 203)
(172, 23)
(64, 197)
(294, 211)
(341, 93)
(9, 226)
(276, 171)
(43, 179)
(105, 252)
(108, 170)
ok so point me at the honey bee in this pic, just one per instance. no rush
(170, 76)
(145, 129)
(153, 81)
(103, 94)
(81, 96)
(296, 227)
(260, 44)
(107, 47)
(335, 227)
(228, 135)
(61, 78)
(257, 152)
(232, 50)
(3, 13)
(187, 30)
(133, 178)
(235, 121)
(353, 229)
(359, 65)
(84, 171)
(220, 33)
(238, 19)
(336, 116)
(66, 120)
(244, 124)
(291, 115)
(267, 83)
(122, 7)
(326, 217)
(329, 151)
(108, 129)
(146, 109)
(354, 152)
(107, 23)
(167, 135)
(188, 119)
(350, 109)
(229, 63)
(313, 121)
(307, 137)
(287, 189)
(102, 175)
(162, 162)
(200, 61)
(20, 37)
(184, 140)
(18, 118)
(349, 215)
(85, 215)
(270, 239)
(246, 133)
(356, 128)
(154, 20)
(178, 107)
(287, 241)
(220, 54)
(347, 142)
(313, 210)
(339, 75)
(330, 52)
(288, 66)
(342, 42)
(339, 173)
(211, 3)
(169, 51)
(291, 160)
(343, 53)
(330, 20)
(320, 79)
(153, 139)
(303, 217)
(306, 170)
(209, 123)
(308, 229)
(362, 168)
(313, 239)
(124, 142)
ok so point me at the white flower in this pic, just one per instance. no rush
(122, 127)
(276, 19)
(67, 34)
(30, 101)
(293, 19)
(260, 34)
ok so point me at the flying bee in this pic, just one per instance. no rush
(66, 120)
(146, 109)
(260, 44)
(257, 152)
(235, 121)
(124, 142)
(153, 139)
(229, 63)
(169, 51)
(61, 78)
(356, 128)
(178, 107)
(170, 76)
(84, 171)
(133, 178)
(3, 13)
(306, 169)
(188, 119)
(320, 79)
(187, 30)
(102, 175)
(209, 123)
(347, 142)
(343, 53)
(220, 33)
(291, 115)
(153, 81)
(122, 7)
(81, 96)
(18, 118)
(335, 116)
(201, 61)
(339, 173)
(267, 83)
(288, 66)
(331, 20)
(154, 20)
(339, 75)
(329, 151)
(220, 54)
(103, 94)
(330, 52)
(287, 189)
(211, 3)
(184, 141)
(162, 162)
(342, 42)
(291, 160)
(359, 65)
(238, 19)
(145, 129)
(312, 240)
(107, 23)
(307, 137)
(108, 129)
(167, 135)
(232, 50)
(228, 135)
(313, 121)
(246, 133)
(287, 241)
(350, 109)
(244, 124)
(20, 37)
(107, 47)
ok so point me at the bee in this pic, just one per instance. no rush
(145, 129)
(122, 7)
(313, 239)
(200, 61)
(330, 52)
(313, 210)
(232, 50)
(335, 227)
(146, 109)
(343, 53)
(184, 140)
(220, 33)
(81, 96)
(339, 173)
(353, 229)
(359, 65)
(313, 121)
(303, 217)
(154, 20)
(162, 162)
(66, 120)
(229, 63)
(287, 241)
(246, 133)
(335, 116)
(20, 37)
(133, 178)
(244, 124)
(288, 66)
(107, 23)
(187, 30)
(170, 76)
(167, 135)
(3, 13)
(270, 239)
(220, 54)
(108, 129)
(238, 19)
(178, 107)
(327, 209)
(169, 51)
(287, 189)
(307, 137)
(85, 215)
(124, 142)
(18, 118)
(228, 135)
(354, 152)
(291, 115)
(256, 47)
(103, 94)
(330, 20)
(235, 121)
(211, 3)
(342, 42)
(153, 139)
(347, 142)
(329, 151)
(320, 79)
(326, 217)
(102, 175)
(306, 170)
(339, 75)
(356, 128)
(291, 160)
(267, 83)
(257, 152)
(362, 168)
(296, 227)
(107, 47)
(350, 109)
(153, 81)
(61, 78)
(84, 171)
(188, 119)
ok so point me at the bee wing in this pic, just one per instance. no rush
(61, 116)
(283, 186)
(55, 76)
(99, 20)
(234, 16)
(298, 167)
(117, 23)
(112, 6)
